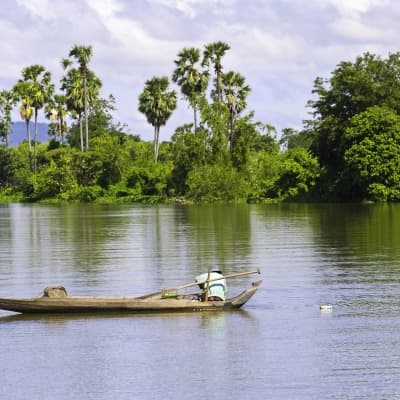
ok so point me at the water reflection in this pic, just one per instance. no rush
(223, 233)
(344, 255)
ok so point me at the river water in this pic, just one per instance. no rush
(281, 345)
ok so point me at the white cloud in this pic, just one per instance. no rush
(39, 8)
(129, 35)
(50, 10)
(191, 8)
(280, 46)
(355, 29)
(106, 8)
(353, 8)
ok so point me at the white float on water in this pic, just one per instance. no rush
(326, 307)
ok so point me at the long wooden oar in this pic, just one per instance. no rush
(175, 289)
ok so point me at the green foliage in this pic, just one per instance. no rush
(139, 152)
(108, 155)
(150, 180)
(25, 183)
(157, 104)
(188, 151)
(99, 122)
(373, 154)
(262, 174)
(8, 100)
(56, 110)
(298, 174)
(292, 139)
(245, 136)
(81, 86)
(57, 180)
(351, 90)
(225, 156)
(265, 139)
(7, 167)
(88, 194)
(212, 57)
(192, 81)
(8, 195)
(215, 120)
(216, 183)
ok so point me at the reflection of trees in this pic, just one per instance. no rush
(92, 231)
(361, 241)
(221, 234)
(180, 242)
(338, 230)
(6, 255)
(55, 238)
(360, 246)
(360, 229)
(140, 247)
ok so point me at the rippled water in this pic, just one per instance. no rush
(280, 346)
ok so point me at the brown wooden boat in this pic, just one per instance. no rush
(56, 300)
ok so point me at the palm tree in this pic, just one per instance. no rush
(158, 105)
(23, 91)
(57, 112)
(7, 102)
(235, 92)
(193, 83)
(41, 89)
(73, 86)
(82, 54)
(212, 55)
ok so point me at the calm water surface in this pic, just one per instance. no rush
(280, 346)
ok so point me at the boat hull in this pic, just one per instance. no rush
(88, 304)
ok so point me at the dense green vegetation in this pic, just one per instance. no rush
(349, 150)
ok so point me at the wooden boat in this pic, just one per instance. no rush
(56, 300)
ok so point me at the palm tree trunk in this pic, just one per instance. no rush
(231, 131)
(28, 134)
(86, 112)
(81, 130)
(195, 117)
(156, 142)
(219, 90)
(35, 143)
(61, 129)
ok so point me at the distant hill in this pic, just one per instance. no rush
(18, 132)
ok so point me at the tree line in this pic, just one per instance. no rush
(347, 151)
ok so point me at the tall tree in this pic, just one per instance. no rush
(41, 90)
(352, 88)
(157, 104)
(7, 102)
(57, 112)
(71, 85)
(235, 92)
(372, 155)
(212, 56)
(74, 89)
(192, 81)
(83, 55)
(23, 91)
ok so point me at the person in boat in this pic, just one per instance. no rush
(217, 287)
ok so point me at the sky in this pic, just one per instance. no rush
(279, 46)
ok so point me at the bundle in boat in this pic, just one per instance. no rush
(55, 291)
